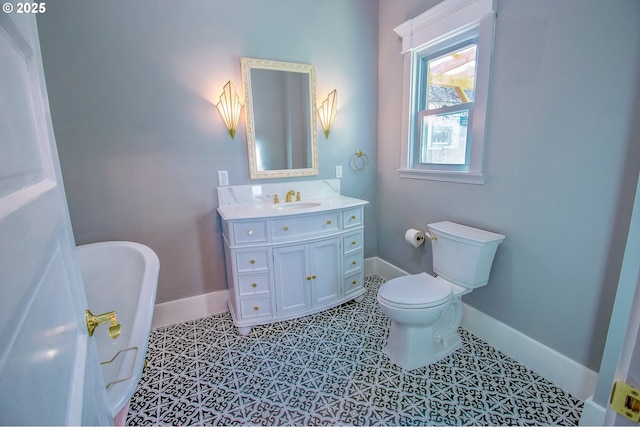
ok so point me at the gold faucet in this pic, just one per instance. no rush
(94, 321)
(289, 194)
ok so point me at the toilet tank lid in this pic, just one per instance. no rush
(453, 230)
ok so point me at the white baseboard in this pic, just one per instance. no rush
(382, 268)
(566, 373)
(546, 362)
(592, 414)
(182, 310)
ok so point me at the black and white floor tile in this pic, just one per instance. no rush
(330, 369)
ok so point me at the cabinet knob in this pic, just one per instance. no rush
(249, 232)
(308, 277)
(285, 228)
(354, 282)
(313, 277)
(253, 261)
(329, 221)
(353, 242)
(254, 285)
(353, 262)
(353, 217)
(256, 308)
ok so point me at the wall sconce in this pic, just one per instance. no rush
(327, 112)
(229, 106)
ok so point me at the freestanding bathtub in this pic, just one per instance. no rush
(121, 276)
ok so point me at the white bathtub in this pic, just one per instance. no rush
(121, 276)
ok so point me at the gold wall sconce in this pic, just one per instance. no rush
(229, 106)
(327, 112)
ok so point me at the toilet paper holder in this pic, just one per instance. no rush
(416, 237)
(431, 237)
(428, 234)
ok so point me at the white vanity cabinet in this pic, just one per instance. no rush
(280, 267)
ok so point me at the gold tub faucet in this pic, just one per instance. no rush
(94, 321)
(289, 195)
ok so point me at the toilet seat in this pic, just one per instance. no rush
(415, 291)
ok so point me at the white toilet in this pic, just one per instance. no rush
(425, 311)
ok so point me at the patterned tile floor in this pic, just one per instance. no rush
(330, 369)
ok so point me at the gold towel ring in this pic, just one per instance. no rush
(360, 164)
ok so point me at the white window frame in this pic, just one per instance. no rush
(439, 26)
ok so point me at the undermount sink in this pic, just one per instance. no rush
(292, 206)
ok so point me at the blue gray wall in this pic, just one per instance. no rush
(132, 85)
(562, 160)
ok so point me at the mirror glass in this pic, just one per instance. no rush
(280, 117)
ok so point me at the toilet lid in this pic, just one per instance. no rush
(415, 291)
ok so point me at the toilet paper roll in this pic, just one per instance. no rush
(414, 237)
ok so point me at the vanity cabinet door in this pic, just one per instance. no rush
(307, 275)
(325, 271)
(291, 279)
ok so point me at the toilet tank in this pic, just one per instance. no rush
(462, 254)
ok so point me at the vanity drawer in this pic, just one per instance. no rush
(249, 232)
(255, 307)
(352, 262)
(352, 241)
(254, 284)
(293, 227)
(252, 261)
(352, 217)
(353, 283)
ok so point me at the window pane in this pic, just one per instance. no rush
(443, 138)
(452, 78)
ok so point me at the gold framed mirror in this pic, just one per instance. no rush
(280, 116)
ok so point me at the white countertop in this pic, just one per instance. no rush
(274, 210)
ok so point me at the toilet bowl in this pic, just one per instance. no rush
(426, 311)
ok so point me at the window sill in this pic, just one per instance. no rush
(462, 177)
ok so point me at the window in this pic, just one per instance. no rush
(447, 57)
(445, 106)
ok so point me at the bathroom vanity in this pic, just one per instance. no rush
(289, 259)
